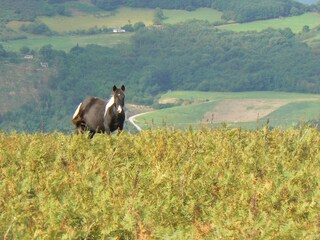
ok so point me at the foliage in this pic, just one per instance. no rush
(23, 10)
(165, 4)
(251, 10)
(161, 184)
(3, 52)
(208, 59)
(37, 28)
(188, 56)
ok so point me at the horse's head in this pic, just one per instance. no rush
(118, 95)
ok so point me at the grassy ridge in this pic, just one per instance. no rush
(221, 184)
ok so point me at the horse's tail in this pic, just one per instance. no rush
(76, 119)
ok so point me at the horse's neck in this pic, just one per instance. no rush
(110, 105)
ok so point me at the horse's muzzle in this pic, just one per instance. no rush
(119, 109)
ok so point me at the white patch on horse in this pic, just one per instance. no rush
(109, 104)
(77, 111)
(119, 109)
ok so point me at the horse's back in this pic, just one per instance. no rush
(90, 114)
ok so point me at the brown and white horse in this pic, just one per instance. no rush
(98, 115)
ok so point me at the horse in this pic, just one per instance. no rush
(98, 115)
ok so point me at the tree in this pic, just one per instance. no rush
(158, 16)
(24, 50)
(306, 29)
(46, 53)
(3, 52)
(139, 25)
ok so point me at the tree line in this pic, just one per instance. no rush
(251, 10)
(187, 56)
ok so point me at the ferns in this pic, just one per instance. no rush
(161, 184)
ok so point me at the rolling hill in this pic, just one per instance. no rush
(85, 16)
(245, 109)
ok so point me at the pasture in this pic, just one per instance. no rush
(66, 42)
(163, 184)
(86, 18)
(177, 16)
(295, 23)
(117, 18)
(235, 109)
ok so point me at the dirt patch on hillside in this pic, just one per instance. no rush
(168, 100)
(245, 110)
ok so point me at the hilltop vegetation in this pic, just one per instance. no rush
(161, 185)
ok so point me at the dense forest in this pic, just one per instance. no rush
(188, 56)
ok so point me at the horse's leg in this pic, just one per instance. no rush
(91, 134)
(107, 131)
(81, 127)
(118, 131)
(120, 128)
(78, 131)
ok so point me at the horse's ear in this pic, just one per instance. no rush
(123, 88)
(114, 88)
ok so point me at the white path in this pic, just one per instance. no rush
(132, 120)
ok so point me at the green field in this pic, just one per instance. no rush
(82, 7)
(206, 184)
(282, 109)
(68, 41)
(176, 16)
(117, 18)
(126, 15)
(85, 18)
(295, 23)
(293, 112)
(194, 95)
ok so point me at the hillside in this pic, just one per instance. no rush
(205, 59)
(178, 54)
(21, 81)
